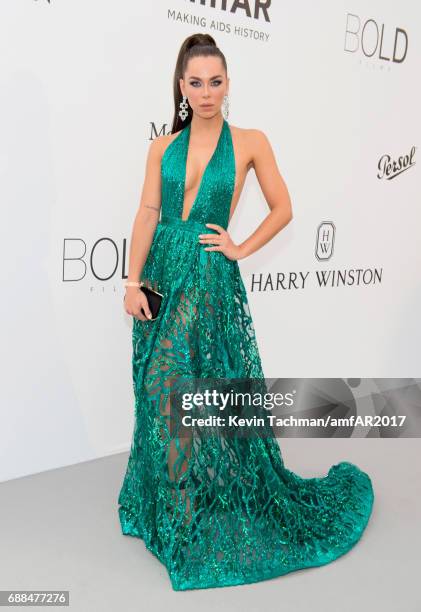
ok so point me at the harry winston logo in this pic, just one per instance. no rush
(325, 240)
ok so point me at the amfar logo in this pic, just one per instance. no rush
(370, 37)
(390, 169)
(325, 240)
(250, 8)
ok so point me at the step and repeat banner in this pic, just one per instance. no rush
(85, 87)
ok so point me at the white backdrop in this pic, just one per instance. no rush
(84, 86)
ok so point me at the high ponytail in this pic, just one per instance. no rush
(196, 45)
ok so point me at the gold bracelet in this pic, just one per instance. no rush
(134, 284)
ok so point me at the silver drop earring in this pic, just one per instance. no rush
(183, 109)
(225, 107)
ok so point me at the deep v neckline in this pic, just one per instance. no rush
(183, 189)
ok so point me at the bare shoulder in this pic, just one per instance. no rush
(240, 134)
(257, 138)
(251, 142)
(160, 143)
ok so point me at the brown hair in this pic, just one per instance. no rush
(196, 45)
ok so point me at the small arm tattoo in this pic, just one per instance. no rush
(149, 206)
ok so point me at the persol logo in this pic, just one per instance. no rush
(254, 9)
(391, 168)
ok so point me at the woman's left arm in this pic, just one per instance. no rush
(275, 191)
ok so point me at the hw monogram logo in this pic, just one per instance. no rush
(325, 240)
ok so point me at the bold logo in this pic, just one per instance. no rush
(373, 40)
(104, 260)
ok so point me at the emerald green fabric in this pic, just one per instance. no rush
(217, 510)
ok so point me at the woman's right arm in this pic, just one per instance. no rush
(143, 230)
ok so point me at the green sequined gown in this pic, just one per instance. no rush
(222, 511)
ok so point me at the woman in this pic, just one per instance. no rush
(217, 509)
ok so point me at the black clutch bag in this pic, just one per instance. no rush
(154, 301)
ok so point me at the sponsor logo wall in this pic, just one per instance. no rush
(86, 87)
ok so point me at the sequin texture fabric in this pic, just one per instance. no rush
(217, 511)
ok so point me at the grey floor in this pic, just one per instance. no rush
(60, 530)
